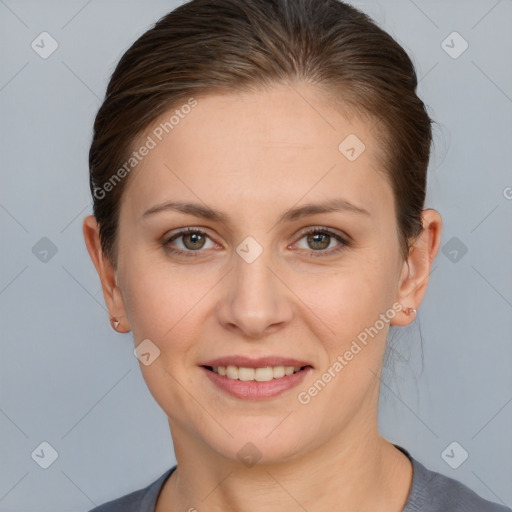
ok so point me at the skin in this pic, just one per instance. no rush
(254, 156)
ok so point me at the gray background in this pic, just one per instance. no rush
(68, 379)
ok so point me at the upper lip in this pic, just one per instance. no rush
(260, 362)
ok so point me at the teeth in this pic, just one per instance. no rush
(279, 371)
(232, 372)
(258, 374)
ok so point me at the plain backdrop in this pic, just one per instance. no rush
(68, 380)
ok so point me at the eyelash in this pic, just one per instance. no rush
(326, 252)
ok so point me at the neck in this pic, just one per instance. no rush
(354, 471)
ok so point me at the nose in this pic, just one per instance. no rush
(255, 301)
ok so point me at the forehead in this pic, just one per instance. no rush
(278, 144)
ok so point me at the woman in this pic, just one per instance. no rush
(258, 170)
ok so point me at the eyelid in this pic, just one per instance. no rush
(175, 234)
(333, 232)
(344, 240)
(182, 231)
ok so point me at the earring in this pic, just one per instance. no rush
(409, 311)
(115, 323)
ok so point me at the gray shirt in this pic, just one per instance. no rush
(430, 492)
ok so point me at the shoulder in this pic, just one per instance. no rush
(434, 492)
(143, 500)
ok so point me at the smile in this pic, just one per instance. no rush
(255, 383)
(263, 374)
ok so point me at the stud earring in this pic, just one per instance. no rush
(115, 323)
(409, 311)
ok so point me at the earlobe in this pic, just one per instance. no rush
(417, 268)
(106, 273)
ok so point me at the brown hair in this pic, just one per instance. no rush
(208, 46)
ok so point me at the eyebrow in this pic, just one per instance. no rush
(205, 212)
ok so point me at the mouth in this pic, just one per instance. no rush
(255, 382)
(258, 374)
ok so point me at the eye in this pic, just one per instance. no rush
(319, 242)
(193, 240)
(320, 239)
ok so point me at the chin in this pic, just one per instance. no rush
(259, 444)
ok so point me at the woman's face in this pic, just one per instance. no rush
(255, 284)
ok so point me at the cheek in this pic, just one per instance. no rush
(349, 298)
(161, 299)
(164, 305)
(351, 303)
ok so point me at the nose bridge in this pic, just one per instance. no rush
(255, 300)
(251, 268)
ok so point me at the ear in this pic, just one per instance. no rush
(106, 273)
(417, 267)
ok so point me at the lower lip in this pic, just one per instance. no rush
(254, 390)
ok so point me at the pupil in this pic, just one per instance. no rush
(195, 239)
(316, 240)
